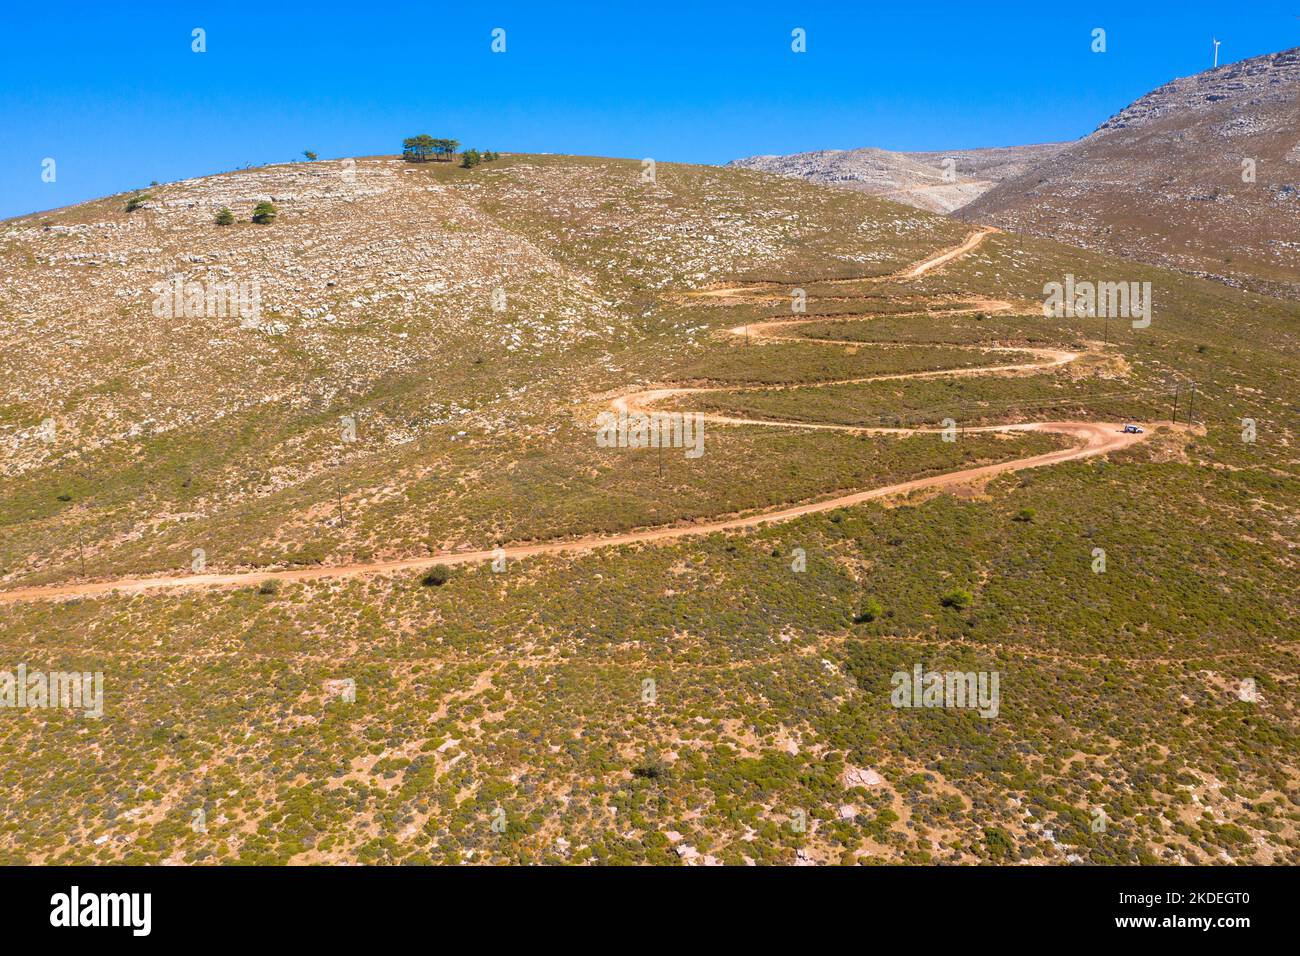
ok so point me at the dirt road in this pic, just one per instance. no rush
(1093, 439)
(935, 261)
(1096, 439)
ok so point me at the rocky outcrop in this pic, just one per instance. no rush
(1199, 175)
(937, 181)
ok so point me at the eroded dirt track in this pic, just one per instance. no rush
(1092, 439)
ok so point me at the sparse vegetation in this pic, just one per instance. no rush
(472, 157)
(525, 690)
(264, 213)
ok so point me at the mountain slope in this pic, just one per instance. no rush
(1162, 181)
(917, 179)
(679, 700)
(375, 303)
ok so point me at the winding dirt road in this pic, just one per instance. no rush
(1093, 439)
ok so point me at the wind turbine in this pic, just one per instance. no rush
(1216, 53)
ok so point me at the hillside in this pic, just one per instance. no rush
(916, 179)
(365, 584)
(1162, 181)
(376, 303)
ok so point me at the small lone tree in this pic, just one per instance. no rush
(871, 609)
(264, 213)
(470, 158)
(311, 157)
(225, 217)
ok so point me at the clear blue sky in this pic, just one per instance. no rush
(114, 94)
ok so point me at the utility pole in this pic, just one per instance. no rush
(1173, 418)
(338, 492)
(81, 534)
(1191, 404)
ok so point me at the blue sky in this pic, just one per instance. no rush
(117, 97)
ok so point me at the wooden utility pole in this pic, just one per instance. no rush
(1173, 418)
(1191, 404)
(338, 492)
(81, 534)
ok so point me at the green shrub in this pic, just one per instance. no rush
(650, 767)
(136, 201)
(1024, 514)
(871, 609)
(269, 586)
(264, 213)
(225, 217)
(436, 576)
(999, 844)
(957, 598)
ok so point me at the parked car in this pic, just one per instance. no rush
(1132, 430)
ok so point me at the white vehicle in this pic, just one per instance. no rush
(1132, 430)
